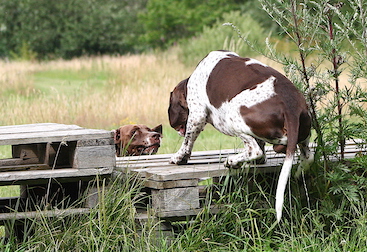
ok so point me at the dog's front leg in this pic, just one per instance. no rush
(193, 129)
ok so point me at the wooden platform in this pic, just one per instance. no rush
(49, 150)
(53, 164)
(175, 189)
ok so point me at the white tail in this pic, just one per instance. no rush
(282, 182)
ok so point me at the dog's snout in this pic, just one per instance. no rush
(156, 136)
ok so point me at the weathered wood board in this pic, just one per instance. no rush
(175, 199)
(94, 153)
(67, 174)
(47, 132)
(42, 214)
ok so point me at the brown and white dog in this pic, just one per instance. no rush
(137, 139)
(245, 98)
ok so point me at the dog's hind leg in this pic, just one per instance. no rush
(253, 150)
(306, 157)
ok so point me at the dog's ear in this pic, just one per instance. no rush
(117, 136)
(182, 87)
(158, 129)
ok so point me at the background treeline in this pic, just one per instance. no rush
(45, 29)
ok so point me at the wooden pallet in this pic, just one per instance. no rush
(175, 189)
(54, 165)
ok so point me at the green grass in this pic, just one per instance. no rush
(246, 222)
(209, 139)
(67, 81)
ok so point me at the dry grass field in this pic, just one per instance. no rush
(99, 92)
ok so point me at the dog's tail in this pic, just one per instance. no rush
(292, 125)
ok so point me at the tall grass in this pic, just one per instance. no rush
(102, 92)
(245, 222)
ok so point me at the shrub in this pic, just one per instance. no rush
(222, 37)
(69, 28)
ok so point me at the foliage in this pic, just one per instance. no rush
(166, 22)
(321, 40)
(221, 37)
(330, 41)
(49, 29)
(69, 28)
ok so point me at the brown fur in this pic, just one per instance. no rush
(137, 139)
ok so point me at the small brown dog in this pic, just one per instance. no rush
(137, 139)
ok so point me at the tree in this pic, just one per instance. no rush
(70, 28)
(167, 21)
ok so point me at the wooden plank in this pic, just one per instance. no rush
(175, 199)
(199, 171)
(95, 142)
(184, 213)
(199, 154)
(205, 160)
(37, 127)
(94, 157)
(16, 161)
(271, 160)
(206, 156)
(171, 183)
(25, 167)
(56, 136)
(145, 216)
(48, 132)
(196, 154)
(21, 177)
(41, 214)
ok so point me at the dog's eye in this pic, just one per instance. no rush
(133, 133)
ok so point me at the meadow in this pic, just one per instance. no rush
(105, 92)
(100, 92)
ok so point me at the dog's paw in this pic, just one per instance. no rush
(232, 163)
(236, 161)
(261, 160)
(179, 159)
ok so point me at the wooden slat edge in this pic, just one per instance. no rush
(42, 214)
(37, 127)
(57, 136)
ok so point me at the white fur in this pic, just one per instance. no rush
(229, 111)
(307, 159)
(254, 61)
(149, 141)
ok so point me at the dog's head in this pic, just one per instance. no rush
(178, 110)
(137, 139)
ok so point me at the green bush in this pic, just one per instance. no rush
(220, 37)
(69, 28)
(166, 22)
